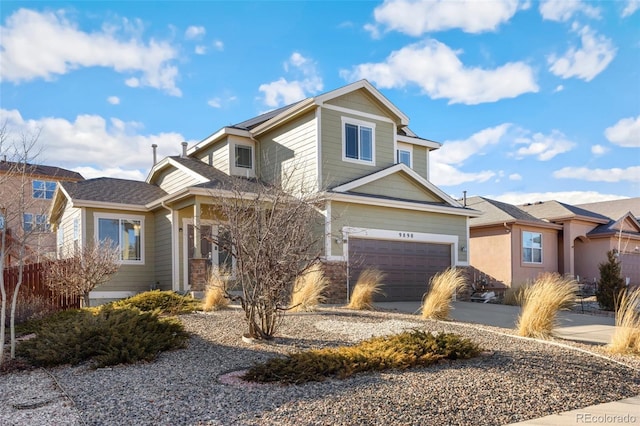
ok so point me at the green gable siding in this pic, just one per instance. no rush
(66, 224)
(420, 160)
(386, 218)
(291, 147)
(335, 171)
(173, 180)
(359, 101)
(397, 185)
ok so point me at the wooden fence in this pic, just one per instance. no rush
(34, 287)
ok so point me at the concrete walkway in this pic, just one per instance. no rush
(572, 326)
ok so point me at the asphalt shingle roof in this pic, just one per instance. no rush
(497, 212)
(614, 209)
(552, 210)
(112, 190)
(42, 170)
(217, 179)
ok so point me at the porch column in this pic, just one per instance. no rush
(568, 250)
(197, 234)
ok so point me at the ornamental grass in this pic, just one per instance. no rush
(368, 285)
(215, 296)
(626, 336)
(436, 303)
(308, 290)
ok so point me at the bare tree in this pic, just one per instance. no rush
(15, 184)
(274, 237)
(87, 268)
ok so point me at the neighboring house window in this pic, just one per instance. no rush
(43, 189)
(127, 233)
(358, 140)
(244, 156)
(35, 222)
(531, 247)
(76, 229)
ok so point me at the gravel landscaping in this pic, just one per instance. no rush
(518, 379)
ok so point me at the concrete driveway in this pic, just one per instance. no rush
(572, 326)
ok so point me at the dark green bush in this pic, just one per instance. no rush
(402, 351)
(168, 302)
(611, 284)
(106, 337)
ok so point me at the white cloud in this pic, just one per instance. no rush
(200, 49)
(593, 56)
(515, 176)
(625, 133)
(616, 174)
(195, 32)
(214, 102)
(563, 10)
(282, 91)
(132, 82)
(438, 71)
(630, 8)
(219, 45)
(544, 147)
(559, 88)
(599, 150)
(569, 197)
(92, 141)
(44, 45)
(446, 162)
(416, 17)
(113, 100)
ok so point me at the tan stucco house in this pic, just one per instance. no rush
(511, 245)
(351, 144)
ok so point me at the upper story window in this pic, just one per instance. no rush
(35, 222)
(531, 247)
(244, 156)
(404, 154)
(43, 189)
(126, 232)
(358, 141)
(76, 229)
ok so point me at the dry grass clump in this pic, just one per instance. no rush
(541, 303)
(401, 351)
(215, 295)
(368, 285)
(626, 337)
(436, 303)
(308, 289)
(514, 296)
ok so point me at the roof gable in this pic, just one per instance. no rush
(497, 212)
(557, 211)
(53, 172)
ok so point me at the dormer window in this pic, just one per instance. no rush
(358, 141)
(244, 156)
(404, 154)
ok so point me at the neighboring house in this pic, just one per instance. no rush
(512, 245)
(351, 144)
(25, 197)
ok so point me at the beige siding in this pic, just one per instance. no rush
(163, 256)
(335, 171)
(135, 278)
(359, 101)
(66, 223)
(420, 160)
(398, 186)
(174, 180)
(220, 155)
(385, 218)
(291, 148)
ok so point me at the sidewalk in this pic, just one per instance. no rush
(572, 326)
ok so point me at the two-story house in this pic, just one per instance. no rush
(351, 144)
(26, 191)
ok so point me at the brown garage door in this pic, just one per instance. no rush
(408, 265)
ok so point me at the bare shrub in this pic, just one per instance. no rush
(368, 285)
(215, 295)
(308, 289)
(626, 337)
(549, 294)
(436, 303)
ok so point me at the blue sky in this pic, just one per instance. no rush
(102, 81)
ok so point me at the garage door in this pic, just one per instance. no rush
(408, 265)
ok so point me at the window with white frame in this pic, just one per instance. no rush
(358, 141)
(531, 247)
(76, 229)
(404, 154)
(244, 156)
(43, 189)
(126, 232)
(35, 222)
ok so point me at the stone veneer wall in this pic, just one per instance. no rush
(336, 274)
(198, 274)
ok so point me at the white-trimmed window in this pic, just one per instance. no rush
(43, 189)
(242, 158)
(76, 229)
(35, 222)
(126, 232)
(531, 247)
(404, 154)
(358, 141)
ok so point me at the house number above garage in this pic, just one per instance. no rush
(405, 234)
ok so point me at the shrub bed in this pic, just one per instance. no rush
(409, 349)
(168, 302)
